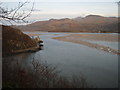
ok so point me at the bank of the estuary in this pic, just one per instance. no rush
(15, 41)
(86, 39)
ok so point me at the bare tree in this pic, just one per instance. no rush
(118, 2)
(15, 14)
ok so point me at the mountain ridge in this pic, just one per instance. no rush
(90, 23)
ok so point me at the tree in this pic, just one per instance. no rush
(118, 2)
(15, 14)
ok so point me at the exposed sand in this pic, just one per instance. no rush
(30, 34)
(34, 34)
(79, 38)
(98, 37)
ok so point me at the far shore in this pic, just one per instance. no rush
(66, 32)
(36, 34)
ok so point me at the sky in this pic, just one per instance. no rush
(56, 9)
(61, 0)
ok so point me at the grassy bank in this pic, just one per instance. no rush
(15, 41)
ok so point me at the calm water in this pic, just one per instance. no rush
(100, 68)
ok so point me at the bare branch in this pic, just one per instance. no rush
(15, 14)
(29, 12)
(19, 7)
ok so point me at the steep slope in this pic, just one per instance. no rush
(90, 23)
(13, 39)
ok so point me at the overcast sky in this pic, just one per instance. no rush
(62, 0)
(47, 9)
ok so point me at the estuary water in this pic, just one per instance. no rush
(99, 67)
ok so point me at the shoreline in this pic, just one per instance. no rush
(80, 39)
(27, 50)
(74, 32)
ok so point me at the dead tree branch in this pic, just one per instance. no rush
(15, 14)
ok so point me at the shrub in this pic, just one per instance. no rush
(41, 75)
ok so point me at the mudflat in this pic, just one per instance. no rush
(98, 37)
(33, 34)
(81, 39)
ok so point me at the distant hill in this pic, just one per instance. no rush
(90, 23)
(13, 39)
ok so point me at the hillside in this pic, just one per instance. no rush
(13, 39)
(90, 23)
